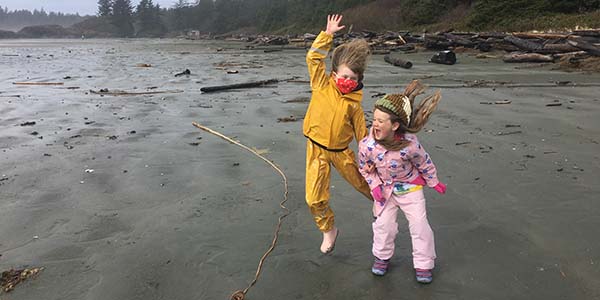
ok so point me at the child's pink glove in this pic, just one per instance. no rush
(440, 188)
(418, 181)
(377, 195)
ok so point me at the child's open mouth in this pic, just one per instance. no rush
(377, 132)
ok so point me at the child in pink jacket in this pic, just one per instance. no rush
(396, 167)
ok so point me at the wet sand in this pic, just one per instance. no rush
(171, 212)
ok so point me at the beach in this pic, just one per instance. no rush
(120, 197)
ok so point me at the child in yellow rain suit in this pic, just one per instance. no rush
(333, 118)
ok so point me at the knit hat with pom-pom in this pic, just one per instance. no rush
(398, 104)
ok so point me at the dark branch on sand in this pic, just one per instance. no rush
(210, 89)
(124, 93)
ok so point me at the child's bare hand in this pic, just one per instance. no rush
(369, 167)
(333, 24)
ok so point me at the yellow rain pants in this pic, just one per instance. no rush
(318, 166)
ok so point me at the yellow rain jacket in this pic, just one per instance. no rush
(332, 119)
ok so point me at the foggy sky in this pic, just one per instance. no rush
(83, 7)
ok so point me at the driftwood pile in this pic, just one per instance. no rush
(519, 47)
(525, 47)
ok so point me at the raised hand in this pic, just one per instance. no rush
(333, 24)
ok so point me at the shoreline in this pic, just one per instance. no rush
(129, 201)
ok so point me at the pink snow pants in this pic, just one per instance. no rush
(385, 229)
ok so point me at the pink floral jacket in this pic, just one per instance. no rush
(395, 166)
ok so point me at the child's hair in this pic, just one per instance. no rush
(399, 107)
(354, 55)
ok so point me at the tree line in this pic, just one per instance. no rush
(262, 15)
(280, 16)
(148, 19)
(145, 20)
(216, 16)
(15, 19)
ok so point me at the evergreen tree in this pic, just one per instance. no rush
(274, 15)
(104, 8)
(159, 27)
(149, 22)
(122, 17)
(179, 16)
(203, 15)
(225, 15)
(144, 15)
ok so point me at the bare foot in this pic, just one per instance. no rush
(329, 239)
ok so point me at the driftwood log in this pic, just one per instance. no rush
(484, 46)
(592, 33)
(210, 89)
(558, 48)
(577, 54)
(527, 57)
(583, 45)
(38, 83)
(505, 47)
(494, 35)
(547, 36)
(125, 93)
(398, 62)
(523, 44)
(437, 43)
(186, 72)
(406, 47)
(459, 40)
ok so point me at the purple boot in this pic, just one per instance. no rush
(380, 266)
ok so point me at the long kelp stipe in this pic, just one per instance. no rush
(241, 294)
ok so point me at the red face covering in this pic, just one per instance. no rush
(346, 85)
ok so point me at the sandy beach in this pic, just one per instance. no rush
(120, 197)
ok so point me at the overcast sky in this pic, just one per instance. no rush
(83, 7)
